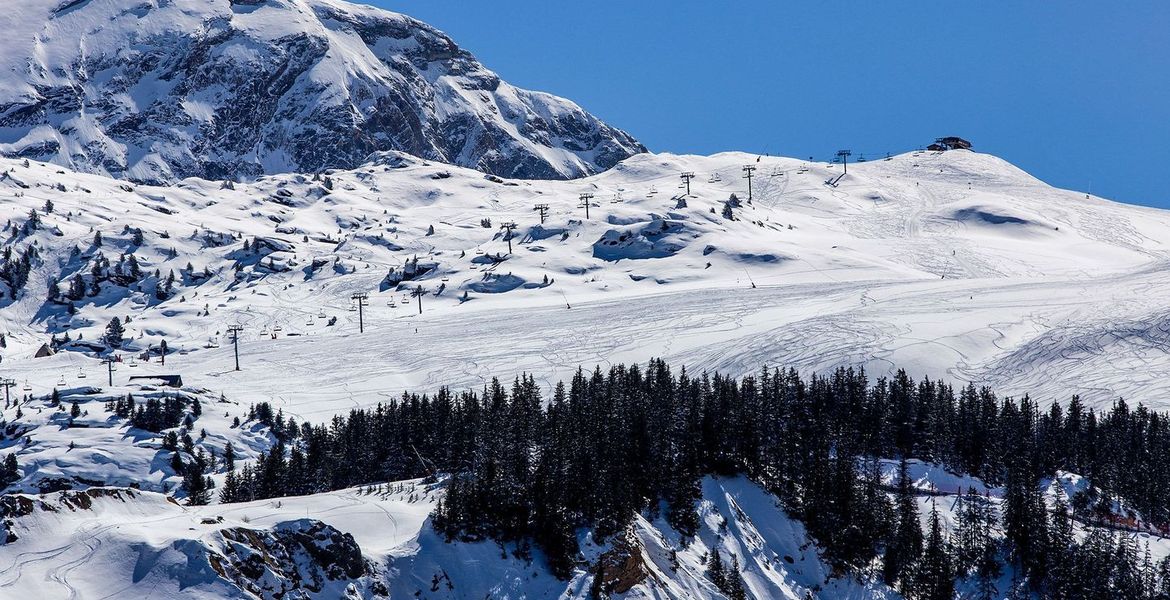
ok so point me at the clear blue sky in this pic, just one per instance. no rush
(1074, 92)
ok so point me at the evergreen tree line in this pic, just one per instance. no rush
(608, 445)
(9, 471)
(155, 415)
(15, 267)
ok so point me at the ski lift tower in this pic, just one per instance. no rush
(543, 210)
(419, 292)
(586, 199)
(747, 174)
(844, 156)
(687, 177)
(110, 361)
(235, 331)
(362, 300)
(7, 385)
(508, 227)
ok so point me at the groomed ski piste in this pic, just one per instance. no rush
(952, 264)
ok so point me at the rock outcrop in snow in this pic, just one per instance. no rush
(155, 91)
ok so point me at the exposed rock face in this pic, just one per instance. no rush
(14, 506)
(622, 567)
(294, 559)
(155, 90)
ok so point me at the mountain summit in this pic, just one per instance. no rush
(156, 90)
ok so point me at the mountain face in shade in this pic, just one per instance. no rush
(158, 90)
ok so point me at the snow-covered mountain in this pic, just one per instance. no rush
(953, 264)
(159, 90)
(950, 264)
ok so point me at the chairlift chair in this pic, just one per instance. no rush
(80, 374)
(27, 386)
(277, 329)
(321, 315)
(61, 382)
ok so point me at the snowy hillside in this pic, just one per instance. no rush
(377, 542)
(151, 90)
(80, 542)
(954, 263)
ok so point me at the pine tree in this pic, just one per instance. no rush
(229, 457)
(1025, 523)
(934, 576)
(735, 588)
(76, 288)
(230, 492)
(905, 548)
(195, 483)
(54, 291)
(716, 572)
(9, 471)
(114, 333)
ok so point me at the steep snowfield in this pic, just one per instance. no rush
(153, 90)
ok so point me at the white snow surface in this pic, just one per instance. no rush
(955, 265)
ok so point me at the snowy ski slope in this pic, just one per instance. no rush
(953, 265)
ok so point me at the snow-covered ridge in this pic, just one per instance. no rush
(153, 90)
